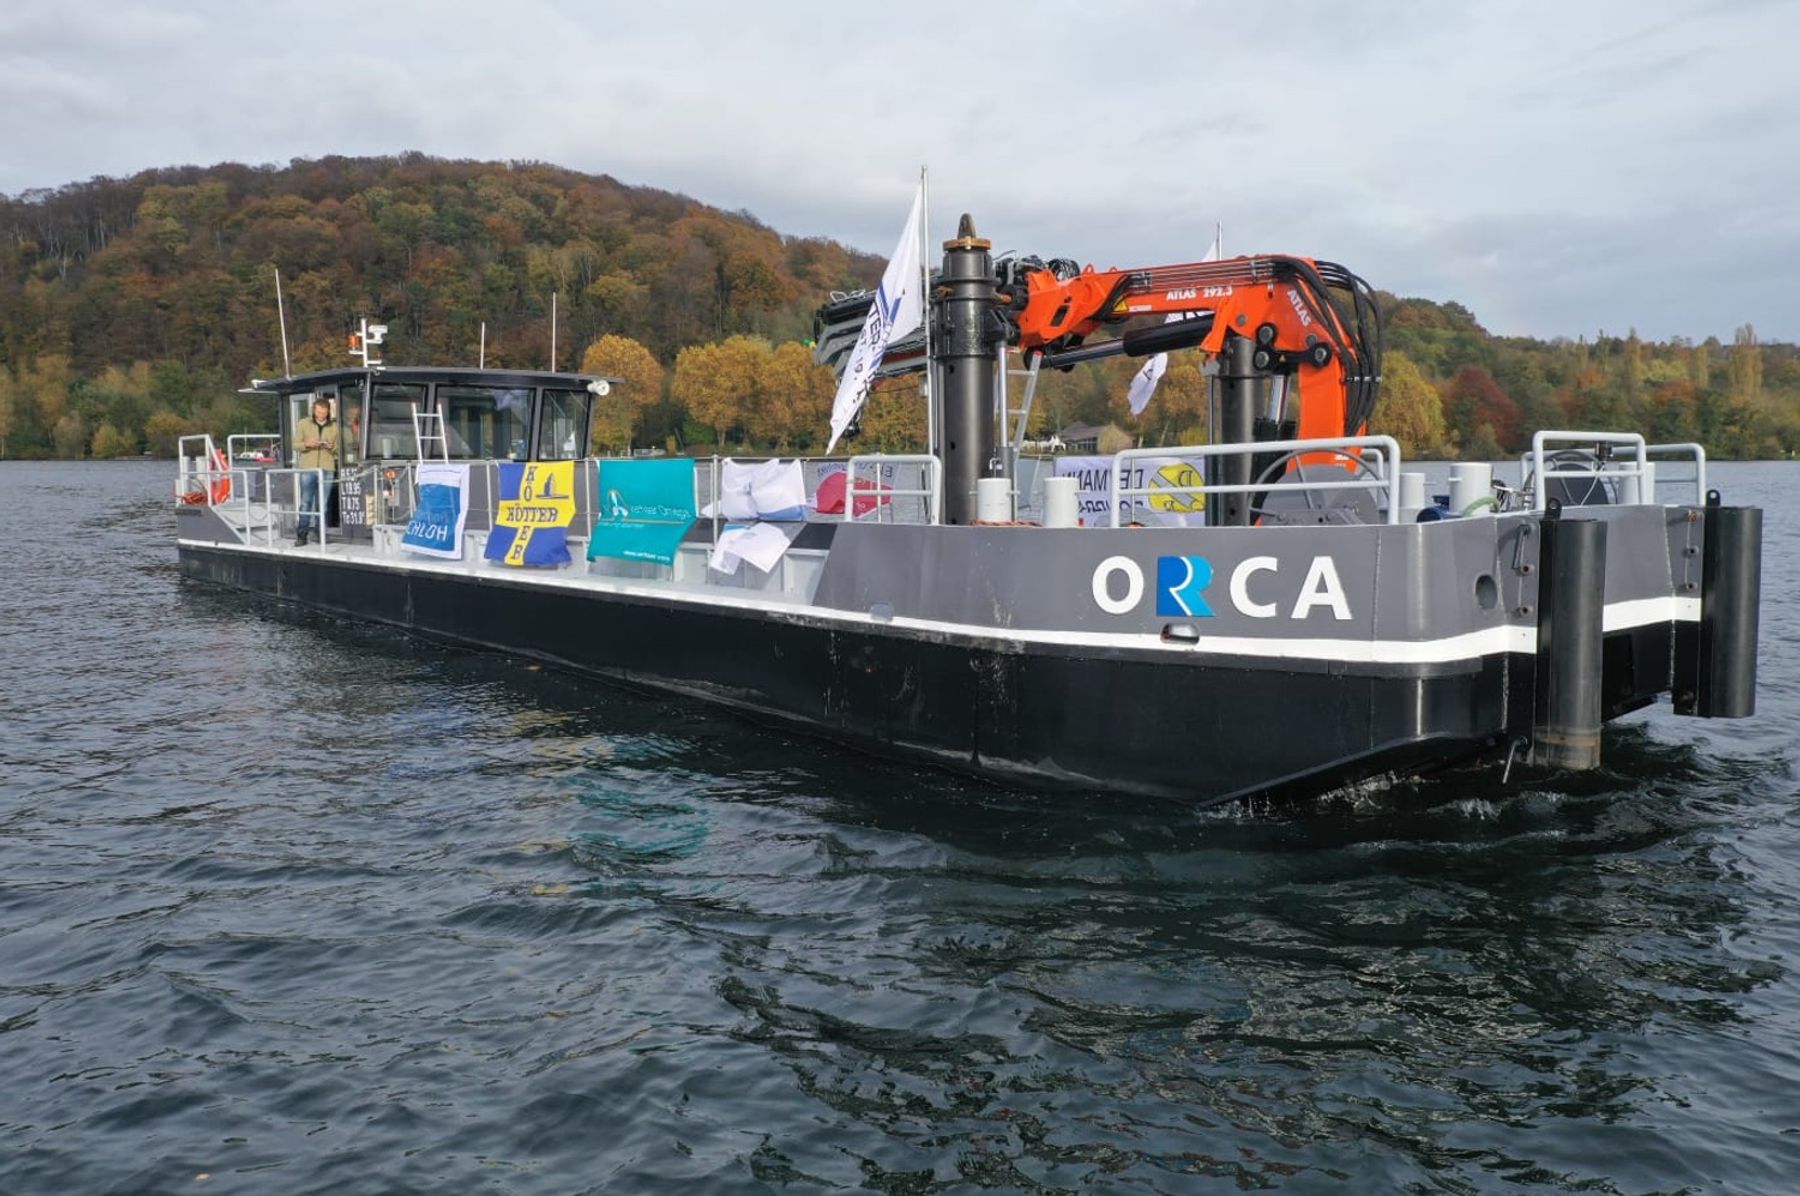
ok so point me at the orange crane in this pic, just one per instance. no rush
(1331, 347)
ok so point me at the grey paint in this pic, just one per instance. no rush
(1406, 582)
(1401, 582)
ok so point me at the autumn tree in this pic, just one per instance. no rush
(1746, 365)
(629, 361)
(1700, 364)
(893, 420)
(1474, 399)
(1631, 368)
(1181, 401)
(1410, 410)
(720, 383)
(640, 375)
(796, 395)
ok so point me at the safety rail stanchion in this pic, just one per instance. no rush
(320, 504)
(1682, 449)
(931, 492)
(1386, 469)
(1577, 440)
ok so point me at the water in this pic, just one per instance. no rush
(289, 905)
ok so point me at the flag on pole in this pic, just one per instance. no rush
(1143, 383)
(899, 308)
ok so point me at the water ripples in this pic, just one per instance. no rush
(294, 905)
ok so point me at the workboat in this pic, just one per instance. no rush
(1283, 610)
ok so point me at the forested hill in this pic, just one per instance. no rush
(169, 275)
(131, 310)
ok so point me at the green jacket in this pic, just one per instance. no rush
(324, 457)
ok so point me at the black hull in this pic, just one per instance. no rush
(1202, 729)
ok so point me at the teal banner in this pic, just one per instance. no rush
(646, 507)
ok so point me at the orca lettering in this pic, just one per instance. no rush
(1240, 588)
(1134, 585)
(1322, 588)
(1181, 583)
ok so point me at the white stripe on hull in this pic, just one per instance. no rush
(1470, 645)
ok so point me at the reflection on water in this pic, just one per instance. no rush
(295, 904)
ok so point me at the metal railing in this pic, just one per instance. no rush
(1683, 449)
(194, 469)
(273, 510)
(1383, 465)
(932, 492)
(1630, 472)
(238, 442)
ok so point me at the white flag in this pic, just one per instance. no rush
(899, 308)
(1143, 383)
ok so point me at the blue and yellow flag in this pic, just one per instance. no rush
(646, 507)
(537, 504)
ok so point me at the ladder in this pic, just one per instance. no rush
(428, 428)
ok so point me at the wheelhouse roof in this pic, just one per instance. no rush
(301, 383)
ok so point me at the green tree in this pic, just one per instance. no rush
(9, 413)
(70, 436)
(110, 442)
(163, 430)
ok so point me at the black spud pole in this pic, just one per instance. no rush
(964, 352)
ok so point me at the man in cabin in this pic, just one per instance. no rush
(317, 441)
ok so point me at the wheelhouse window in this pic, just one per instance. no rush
(350, 417)
(390, 419)
(300, 409)
(562, 425)
(485, 421)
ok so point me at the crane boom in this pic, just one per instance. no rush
(1282, 303)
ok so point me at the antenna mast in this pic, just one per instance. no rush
(362, 342)
(287, 368)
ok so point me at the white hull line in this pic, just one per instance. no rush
(1470, 645)
(1641, 612)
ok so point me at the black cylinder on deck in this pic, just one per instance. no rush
(1571, 604)
(1238, 392)
(1730, 595)
(965, 366)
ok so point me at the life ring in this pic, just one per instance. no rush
(220, 491)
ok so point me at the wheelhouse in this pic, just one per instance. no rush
(487, 415)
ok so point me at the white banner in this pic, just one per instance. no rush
(1174, 508)
(762, 544)
(899, 308)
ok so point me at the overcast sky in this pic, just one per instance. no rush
(1560, 168)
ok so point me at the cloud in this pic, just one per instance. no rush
(1556, 167)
